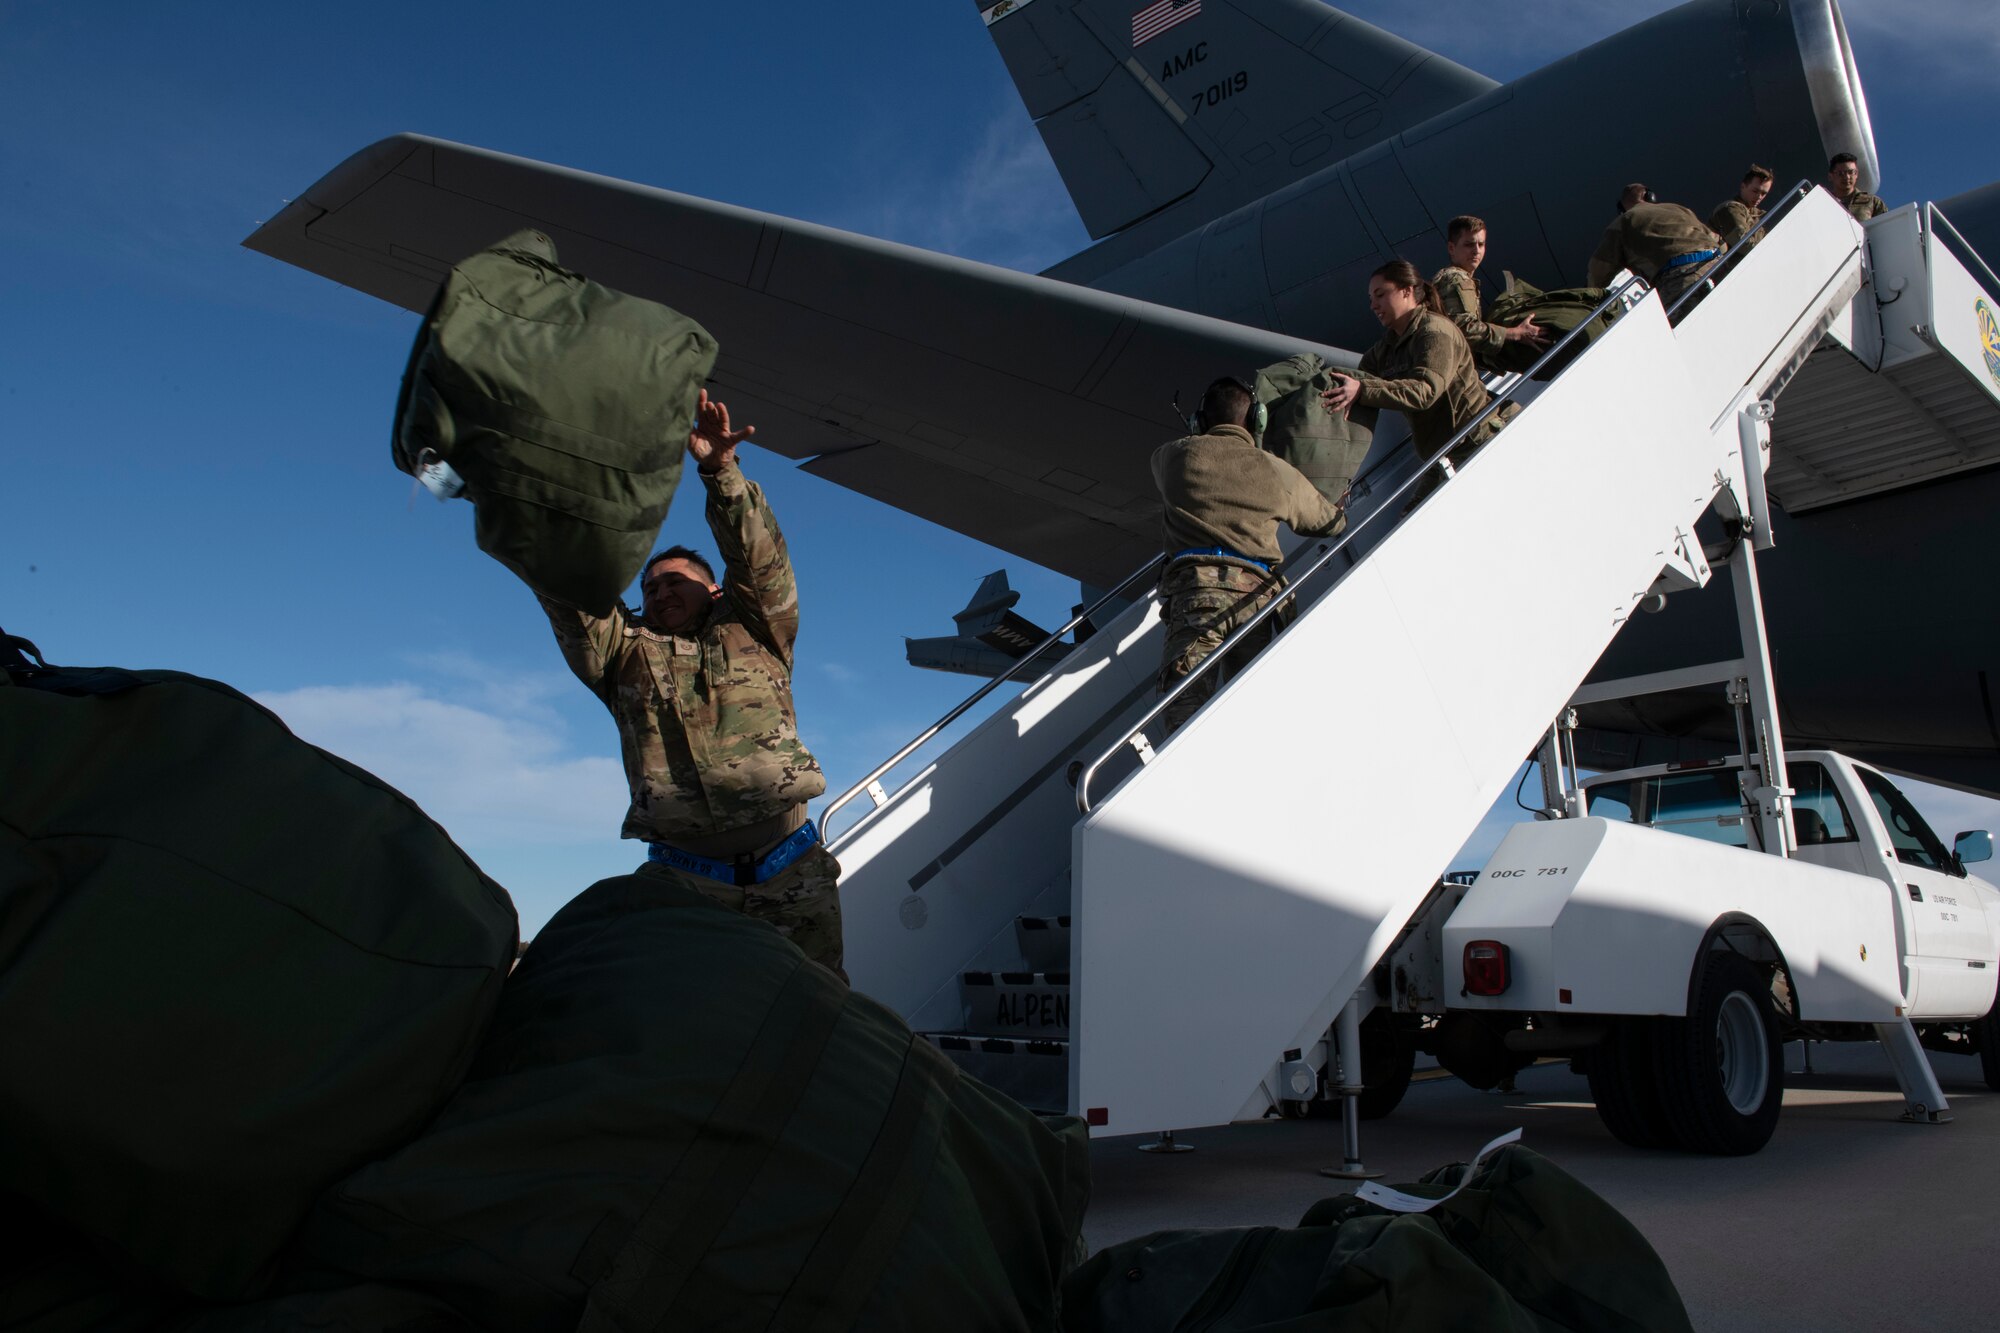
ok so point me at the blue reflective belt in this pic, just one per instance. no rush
(1696, 257)
(741, 872)
(1222, 551)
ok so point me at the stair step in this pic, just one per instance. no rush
(1034, 1073)
(1044, 942)
(1016, 1004)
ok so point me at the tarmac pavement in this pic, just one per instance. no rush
(1848, 1219)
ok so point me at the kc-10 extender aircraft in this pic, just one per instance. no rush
(1244, 164)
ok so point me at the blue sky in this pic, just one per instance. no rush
(195, 438)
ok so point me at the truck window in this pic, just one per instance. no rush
(1814, 794)
(1913, 840)
(1703, 804)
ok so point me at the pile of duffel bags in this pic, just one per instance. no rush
(1514, 1244)
(262, 1065)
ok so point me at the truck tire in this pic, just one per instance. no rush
(1388, 1058)
(1626, 1088)
(1721, 1069)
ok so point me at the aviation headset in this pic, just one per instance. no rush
(1255, 420)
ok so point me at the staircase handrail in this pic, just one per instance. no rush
(1936, 221)
(1736, 252)
(1137, 575)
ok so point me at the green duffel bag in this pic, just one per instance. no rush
(1299, 429)
(562, 407)
(1523, 1247)
(233, 968)
(1555, 312)
(678, 1122)
(52, 1282)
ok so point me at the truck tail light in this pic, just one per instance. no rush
(1485, 967)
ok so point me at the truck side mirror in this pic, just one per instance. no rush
(1974, 846)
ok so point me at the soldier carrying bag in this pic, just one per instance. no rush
(560, 407)
(1556, 312)
(1328, 449)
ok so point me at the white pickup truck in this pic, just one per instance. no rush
(1651, 940)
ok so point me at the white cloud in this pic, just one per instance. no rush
(494, 764)
(501, 777)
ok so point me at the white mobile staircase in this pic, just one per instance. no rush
(1137, 929)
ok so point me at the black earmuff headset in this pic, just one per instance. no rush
(1256, 420)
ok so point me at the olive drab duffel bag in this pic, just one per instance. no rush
(678, 1122)
(1555, 312)
(1299, 429)
(561, 407)
(233, 968)
(1522, 1245)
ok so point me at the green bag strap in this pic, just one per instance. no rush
(864, 1232)
(696, 1201)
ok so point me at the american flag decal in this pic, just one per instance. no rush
(1155, 19)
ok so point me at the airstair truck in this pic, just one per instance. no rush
(1157, 933)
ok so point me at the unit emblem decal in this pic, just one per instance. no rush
(1989, 337)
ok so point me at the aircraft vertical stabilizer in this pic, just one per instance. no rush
(1199, 106)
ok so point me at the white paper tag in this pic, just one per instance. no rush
(440, 480)
(1398, 1202)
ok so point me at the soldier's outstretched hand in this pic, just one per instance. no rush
(712, 443)
(1341, 396)
(1529, 332)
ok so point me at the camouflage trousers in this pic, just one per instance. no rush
(1676, 281)
(1204, 602)
(801, 902)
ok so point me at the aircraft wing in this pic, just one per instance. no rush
(1016, 409)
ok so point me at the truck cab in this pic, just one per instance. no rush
(1845, 816)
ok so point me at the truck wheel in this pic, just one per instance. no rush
(1625, 1087)
(1987, 1030)
(1388, 1058)
(1721, 1068)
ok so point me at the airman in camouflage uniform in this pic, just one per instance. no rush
(1224, 499)
(700, 687)
(1736, 220)
(1665, 244)
(1422, 368)
(1458, 293)
(1843, 182)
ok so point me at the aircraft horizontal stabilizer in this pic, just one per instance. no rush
(1019, 410)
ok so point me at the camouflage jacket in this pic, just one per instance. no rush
(705, 719)
(1426, 373)
(1736, 222)
(1862, 205)
(1460, 295)
(1646, 236)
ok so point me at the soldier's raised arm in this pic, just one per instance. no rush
(590, 644)
(757, 571)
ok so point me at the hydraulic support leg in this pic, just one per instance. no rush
(1924, 1099)
(1347, 1034)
